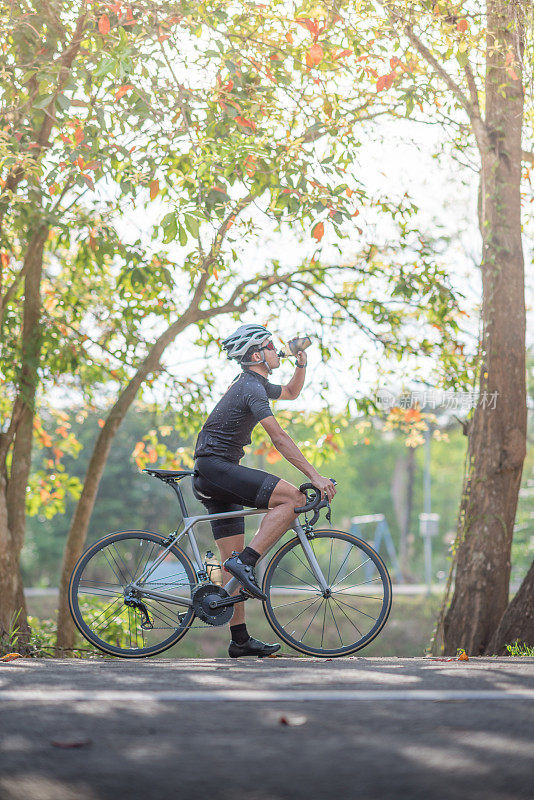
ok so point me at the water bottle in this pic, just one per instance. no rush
(294, 345)
(213, 568)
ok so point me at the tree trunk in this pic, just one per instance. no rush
(13, 513)
(517, 623)
(497, 439)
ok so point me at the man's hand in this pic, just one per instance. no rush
(325, 485)
(302, 358)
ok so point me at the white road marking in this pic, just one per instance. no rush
(259, 695)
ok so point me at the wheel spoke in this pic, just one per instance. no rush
(355, 609)
(293, 603)
(309, 626)
(354, 570)
(349, 619)
(335, 623)
(304, 565)
(298, 579)
(303, 611)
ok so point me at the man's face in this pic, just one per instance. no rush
(269, 351)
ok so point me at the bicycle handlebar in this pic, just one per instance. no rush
(315, 500)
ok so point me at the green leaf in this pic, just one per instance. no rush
(192, 224)
(182, 235)
(62, 102)
(170, 228)
(43, 102)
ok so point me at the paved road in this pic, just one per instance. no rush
(292, 728)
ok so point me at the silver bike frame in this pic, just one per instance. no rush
(233, 583)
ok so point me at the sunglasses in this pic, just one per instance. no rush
(268, 346)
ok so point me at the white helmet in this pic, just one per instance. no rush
(237, 344)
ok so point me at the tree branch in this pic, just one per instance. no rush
(526, 155)
(471, 106)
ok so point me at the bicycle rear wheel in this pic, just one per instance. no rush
(97, 594)
(343, 620)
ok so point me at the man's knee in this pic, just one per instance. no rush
(287, 494)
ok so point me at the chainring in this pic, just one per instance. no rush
(202, 596)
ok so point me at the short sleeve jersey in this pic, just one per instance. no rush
(229, 426)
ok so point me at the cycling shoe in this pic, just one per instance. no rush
(252, 648)
(245, 575)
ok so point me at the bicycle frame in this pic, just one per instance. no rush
(233, 583)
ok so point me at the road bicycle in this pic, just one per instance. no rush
(137, 593)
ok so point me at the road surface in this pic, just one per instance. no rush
(279, 728)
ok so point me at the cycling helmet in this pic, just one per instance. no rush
(237, 344)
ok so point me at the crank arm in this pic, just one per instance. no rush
(230, 601)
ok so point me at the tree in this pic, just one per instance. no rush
(472, 61)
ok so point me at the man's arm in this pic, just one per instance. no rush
(292, 389)
(287, 448)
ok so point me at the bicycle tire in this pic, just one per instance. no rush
(329, 652)
(84, 628)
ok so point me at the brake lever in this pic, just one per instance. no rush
(316, 512)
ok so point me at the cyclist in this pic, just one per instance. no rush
(222, 484)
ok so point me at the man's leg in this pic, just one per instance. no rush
(282, 503)
(226, 546)
(281, 515)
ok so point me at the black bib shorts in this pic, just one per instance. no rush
(223, 485)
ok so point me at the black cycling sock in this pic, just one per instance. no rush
(239, 633)
(249, 556)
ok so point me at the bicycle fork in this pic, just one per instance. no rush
(233, 583)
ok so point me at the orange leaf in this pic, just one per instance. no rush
(250, 165)
(138, 449)
(103, 24)
(101, 423)
(78, 134)
(154, 188)
(4, 260)
(462, 25)
(318, 231)
(463, 656)
(46, 441)
(121, 91)
(11, 656)
(289, 37)
(273, 456)
(245, 123)
(343, 54)
(216, 274)
(152, 455)
(314, 55)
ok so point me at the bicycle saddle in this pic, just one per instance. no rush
(166, 474)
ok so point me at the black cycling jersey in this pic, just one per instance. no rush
(228, 428)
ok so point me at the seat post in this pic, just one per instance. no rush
(180, 496)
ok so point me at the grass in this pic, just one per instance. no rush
(520, 649)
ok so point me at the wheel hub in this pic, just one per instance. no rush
(204, 596)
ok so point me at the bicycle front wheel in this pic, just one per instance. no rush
(343, 619)
(99, 588)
